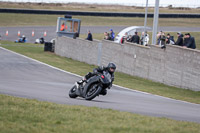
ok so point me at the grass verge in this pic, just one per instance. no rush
(12, 19)
(120, 78)
(21, 115)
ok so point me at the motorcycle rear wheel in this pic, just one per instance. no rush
(93, 92)
(72, 92)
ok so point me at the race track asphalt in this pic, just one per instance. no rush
(51, 31)
(23, 77)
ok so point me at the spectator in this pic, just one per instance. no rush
(89, 37)
(107, 36)
(124, 38)
(112, 35)
(144, 38)
(189, 41)
(21, 39)
(135, 38)
(185, 41)
(128, 39)
(170, 39)
(179, 41)
(162, 40)
(158, 37)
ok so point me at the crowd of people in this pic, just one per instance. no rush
(142, 40)
(186, 40)
(109, 36)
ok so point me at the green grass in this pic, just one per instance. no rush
(120, 78)
(19, 115)
(12, 19)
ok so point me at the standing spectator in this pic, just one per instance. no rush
(189, 41)
(112, 35)
(162, 40)
(170, 39)
(158, 37)
(144, 38)
(128, 39)
(107, 36)
(185, 41)
(135, 38)
(89, 37)
(124, 38)
(179, 41)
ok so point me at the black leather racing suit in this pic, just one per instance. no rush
(100, 70)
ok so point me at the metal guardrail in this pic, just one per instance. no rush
(104, 14)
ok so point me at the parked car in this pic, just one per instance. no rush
(129, 31)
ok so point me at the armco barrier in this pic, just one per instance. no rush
(104, 14)
(175, 66)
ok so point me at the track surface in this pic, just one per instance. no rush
(24, 77)
(51, 31)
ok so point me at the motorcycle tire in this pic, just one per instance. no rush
(93, 92)
(72, 92)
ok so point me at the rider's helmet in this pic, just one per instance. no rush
(111, 67)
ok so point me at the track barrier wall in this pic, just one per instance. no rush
(174, 66)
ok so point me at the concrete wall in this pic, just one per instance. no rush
(130, 58)
(173, 66)
(77, 49)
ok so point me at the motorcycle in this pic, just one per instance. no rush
(93, 87)
(21, 39)
(40, 41)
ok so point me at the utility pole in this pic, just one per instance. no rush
(145, 21)
(155, 21)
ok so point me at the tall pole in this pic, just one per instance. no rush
(145, 21)
(155, 21)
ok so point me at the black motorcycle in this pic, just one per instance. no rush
(92, 87)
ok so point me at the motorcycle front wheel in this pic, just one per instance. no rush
(93, 92)
(72, 92)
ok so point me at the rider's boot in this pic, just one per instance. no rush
(81, 82)
(103, 92)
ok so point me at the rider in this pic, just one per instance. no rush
(110, 68)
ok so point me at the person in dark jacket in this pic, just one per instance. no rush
(111, 67)
(170, 39)
(135, 38)
(162, 40)
(189, 41)
(112, 35)
(89, 37)
(179, 41)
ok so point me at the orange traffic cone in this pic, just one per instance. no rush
(18, 33)
(33, 33)
(45, 33)
(7, 33)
